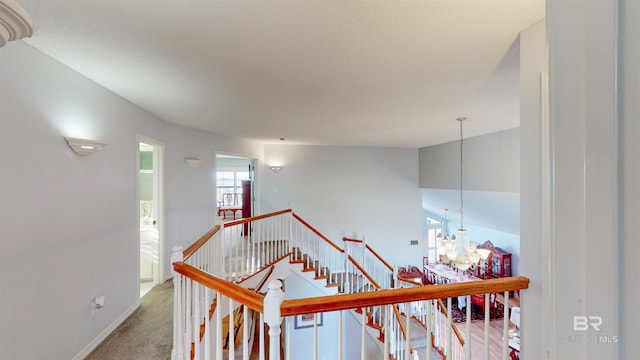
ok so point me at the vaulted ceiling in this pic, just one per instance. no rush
(360, 73)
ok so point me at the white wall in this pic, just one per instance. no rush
(630, 178)
(296, 287)
(350, 191)
(490, 162)
(585, 239)
(533, 61)
(69, 224)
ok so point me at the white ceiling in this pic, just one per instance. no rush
(362, 73)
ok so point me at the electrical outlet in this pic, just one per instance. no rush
(97, 303)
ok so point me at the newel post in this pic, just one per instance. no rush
(176, 352)
(272, 302)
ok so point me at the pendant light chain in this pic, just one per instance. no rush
(461, 198)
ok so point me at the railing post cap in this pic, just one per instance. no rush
(275, 284)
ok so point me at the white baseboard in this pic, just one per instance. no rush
(103, 335)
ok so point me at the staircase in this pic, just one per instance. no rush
(212, 279)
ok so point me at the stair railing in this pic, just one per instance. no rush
(228, 295)
(370, 260)
(320, 254)
(200, 295)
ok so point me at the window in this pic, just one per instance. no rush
(229, 187)
(433, 228)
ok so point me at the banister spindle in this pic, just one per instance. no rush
(176, 352)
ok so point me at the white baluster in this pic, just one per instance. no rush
(408, 326)
(232, 334)
(196, 320)
(429, 330)
(468, 343)
(245, 333)
(315, 336)
(188, 317)
(449, 329)
(387, 333)
(261, 352)
(505, 329)
(219, 334)
(272, 302)
(363, 352)
(207, 325)
(339, 357)
(395, 277)
(486, 327)
(176, 352)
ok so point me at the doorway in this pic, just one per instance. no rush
(235, 186)
(150, 153)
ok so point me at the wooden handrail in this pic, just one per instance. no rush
(317, 232)
(259, 217)
(198, 244)
(379, 257)
(453, 325)
(346, 239)
(238, 293)
(394, 296)
(272, 268)
(364, 272)
(268, 269)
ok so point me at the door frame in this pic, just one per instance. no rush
(159, 194)
(254, 174)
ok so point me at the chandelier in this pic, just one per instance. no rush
(470, 255)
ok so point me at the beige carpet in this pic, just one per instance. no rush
(146, 334)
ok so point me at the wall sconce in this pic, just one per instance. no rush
(276, 169)
(193, 162)
(84, 147)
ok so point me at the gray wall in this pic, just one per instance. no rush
(69, 224)
(490, 163)
(350, 191)
(629, 195)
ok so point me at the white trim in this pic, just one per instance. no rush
(546, 217)
(103, 335)
(159, 276)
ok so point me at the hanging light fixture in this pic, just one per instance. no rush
(446, 245)
(470, 254)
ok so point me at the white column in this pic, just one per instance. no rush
(584, 120)
(272, 302)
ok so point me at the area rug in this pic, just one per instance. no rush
(477, 313)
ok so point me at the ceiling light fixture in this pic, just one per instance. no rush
(471, 254)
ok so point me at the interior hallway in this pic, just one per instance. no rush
(146, 334)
